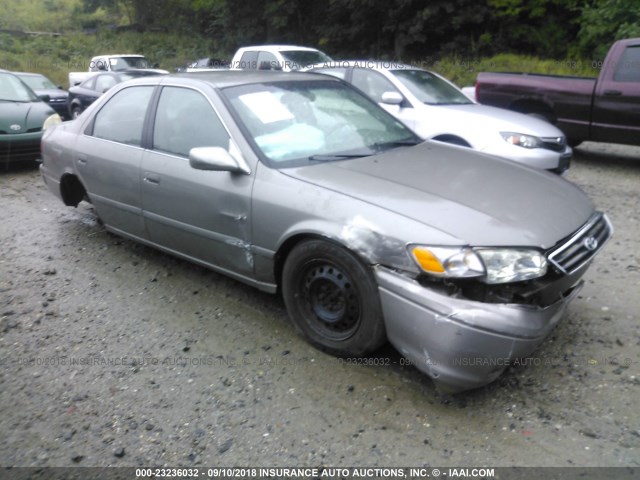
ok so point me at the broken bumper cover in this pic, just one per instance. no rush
(461, 344)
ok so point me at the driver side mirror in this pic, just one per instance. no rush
(392, 98)
(216, 159)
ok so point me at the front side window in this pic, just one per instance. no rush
(628, 67)
(430, 89)
(372, 83)
(185, 120)
(104, 83)
(121, 119)
(300, 123)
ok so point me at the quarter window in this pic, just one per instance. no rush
(185, 120)
(121, 119)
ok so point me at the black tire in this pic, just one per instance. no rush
(332, 298)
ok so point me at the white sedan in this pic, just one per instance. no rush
(438, 110)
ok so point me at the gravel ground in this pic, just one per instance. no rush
(113, 354)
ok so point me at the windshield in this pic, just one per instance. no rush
(303, 58)
(126, 63)
(37, 82)
(298, 123)
(13, 90)
(430, 89)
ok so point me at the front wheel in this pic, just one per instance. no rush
(332, 298)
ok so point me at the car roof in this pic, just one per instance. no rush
(119, 55)
(32, 74)
(279, 48)
(370, 64)
(232, 78)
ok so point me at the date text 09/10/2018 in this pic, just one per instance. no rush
(355, 472)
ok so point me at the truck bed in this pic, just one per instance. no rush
(561, 99)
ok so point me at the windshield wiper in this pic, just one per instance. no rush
(398, 143)
(329, 157)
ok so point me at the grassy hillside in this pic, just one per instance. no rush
(57, 56)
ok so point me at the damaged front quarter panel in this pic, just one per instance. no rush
(367, 239)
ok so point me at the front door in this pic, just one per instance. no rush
(616, 109)
(204, 215)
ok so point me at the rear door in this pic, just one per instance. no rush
(204, 215)
(108, 159)
(616, 110)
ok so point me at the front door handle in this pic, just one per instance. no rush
(612, 93)
(152, 178)
(82, 159)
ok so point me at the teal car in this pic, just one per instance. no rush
(23, 117)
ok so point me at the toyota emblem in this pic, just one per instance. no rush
(15, 127)
(590, 243)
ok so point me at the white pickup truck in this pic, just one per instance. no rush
(112, 63)
(276, 57)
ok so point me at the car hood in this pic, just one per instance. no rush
(26, 115)
(478, 199)
(496, 119)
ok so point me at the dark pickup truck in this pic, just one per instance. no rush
(603, 109)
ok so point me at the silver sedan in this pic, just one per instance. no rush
(436, 109)
(300, 184)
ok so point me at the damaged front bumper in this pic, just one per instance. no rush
(462, 344)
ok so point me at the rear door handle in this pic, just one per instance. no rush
(82, 160)
(612, 93)
(152, 178)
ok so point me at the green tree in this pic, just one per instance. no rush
(604, 21)
(540, 27)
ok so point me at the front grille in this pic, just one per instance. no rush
(557, 144)
(19, 150)
(583, 245)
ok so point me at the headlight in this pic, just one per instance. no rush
(521, 140)
(506, 265)
(51, 121)
(450, 262)
(495, 265)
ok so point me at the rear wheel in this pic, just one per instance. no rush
(332, 298)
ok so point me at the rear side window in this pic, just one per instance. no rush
(121, 119)
(185, 120)
(628, 68)
(248, 61)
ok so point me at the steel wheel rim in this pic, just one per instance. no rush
(332, 301)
